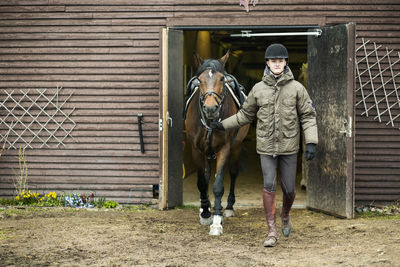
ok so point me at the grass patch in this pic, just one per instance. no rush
(2, 235)
(12, 212)
(378, 212)
(4, 232)
(377, 215)
(8, 202)
(137, 208)
(187, 207)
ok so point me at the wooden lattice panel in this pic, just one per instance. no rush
(376, 83)
(34, 118)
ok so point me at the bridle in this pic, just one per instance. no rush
(219, 98)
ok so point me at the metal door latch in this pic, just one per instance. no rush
(161, 124)
(347, 127)
(169, 120)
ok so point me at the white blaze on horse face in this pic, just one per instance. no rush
(210, 73)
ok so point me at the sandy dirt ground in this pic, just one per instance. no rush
(149, 237)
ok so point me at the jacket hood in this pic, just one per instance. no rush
(269, 77)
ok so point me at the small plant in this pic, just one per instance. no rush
(50, 200)
(87, 198)
(8, 201)
(27, 197)
(76, 201)
(21, 177)
(100, 202)
(110, 204)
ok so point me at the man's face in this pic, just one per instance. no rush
(276, 65)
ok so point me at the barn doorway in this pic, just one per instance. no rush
(331, 81)
(247, 64)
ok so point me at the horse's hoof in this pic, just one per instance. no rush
(216, 227)
(204, 220)
(216, 230)
(229, 213)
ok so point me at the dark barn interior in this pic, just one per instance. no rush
(247, 64)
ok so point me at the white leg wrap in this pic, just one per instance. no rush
(216, 227)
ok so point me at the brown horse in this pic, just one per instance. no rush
(212, 101)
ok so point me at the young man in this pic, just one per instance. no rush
(281, 106)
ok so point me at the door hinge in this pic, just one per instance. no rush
(160, 125)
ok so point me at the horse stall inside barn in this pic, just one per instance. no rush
(247, 64)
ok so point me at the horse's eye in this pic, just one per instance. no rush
(222, 79)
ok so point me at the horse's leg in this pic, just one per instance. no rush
(233, 171)
(218, 190)
(203, 178)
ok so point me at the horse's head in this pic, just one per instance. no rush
(211, 81)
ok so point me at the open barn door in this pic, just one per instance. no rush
(331, 86)
(171, 123)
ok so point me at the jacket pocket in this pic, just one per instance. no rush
(289, 102)
(264, 121)
(290, 133)
(290, 124)
(289, 108)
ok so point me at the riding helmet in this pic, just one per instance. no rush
(276, 51)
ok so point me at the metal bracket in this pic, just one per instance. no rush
(348, 131)
(169, 120)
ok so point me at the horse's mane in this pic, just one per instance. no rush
(213, 64)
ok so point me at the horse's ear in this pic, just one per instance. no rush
(197, 60)
(224, 59)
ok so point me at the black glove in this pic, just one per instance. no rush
(216, 125)
(310, 151)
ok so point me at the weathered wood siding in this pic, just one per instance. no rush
(109, 59)
(108, 54)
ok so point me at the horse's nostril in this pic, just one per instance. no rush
(210, 109)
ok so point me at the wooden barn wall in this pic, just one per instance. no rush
(107, 54)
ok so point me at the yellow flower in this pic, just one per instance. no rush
(17, 198)
(23, 192)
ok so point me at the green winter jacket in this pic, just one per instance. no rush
(281, 106)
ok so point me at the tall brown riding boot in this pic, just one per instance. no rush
(287, 205)
(269, 209)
